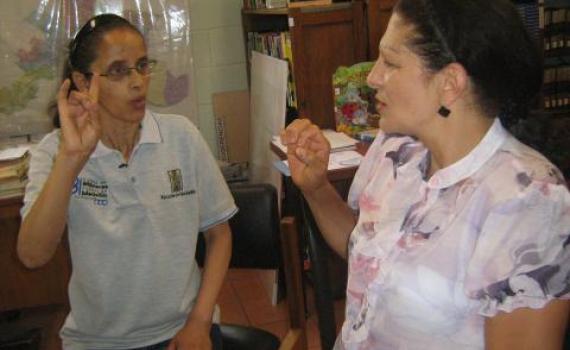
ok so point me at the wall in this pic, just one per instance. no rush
(219, 56)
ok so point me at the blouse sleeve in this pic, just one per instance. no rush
(522, 255)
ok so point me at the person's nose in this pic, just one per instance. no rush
(375, 78)
(136, 79)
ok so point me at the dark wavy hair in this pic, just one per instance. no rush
(488, 38)
(82, 50)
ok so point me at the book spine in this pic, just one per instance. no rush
(278, 45)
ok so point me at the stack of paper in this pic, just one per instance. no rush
(14, 163)
(337, 160)
(339, 141)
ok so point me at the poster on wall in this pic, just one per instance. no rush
(34, 35)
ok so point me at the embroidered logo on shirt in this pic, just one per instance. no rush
(176, 185)
(175, 177)
(98, 191)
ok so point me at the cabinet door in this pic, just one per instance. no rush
(378, 14)
(324, 38)
(21, 287)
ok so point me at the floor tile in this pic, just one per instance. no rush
(279, 328)
(233, 313)
(245, 300)
(250, 289)
(240, 274)
(227, 292)
(261, 311)
(267, 279)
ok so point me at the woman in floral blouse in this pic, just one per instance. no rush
(457, 235)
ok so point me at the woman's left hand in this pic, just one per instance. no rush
(195, 335)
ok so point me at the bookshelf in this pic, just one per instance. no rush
(322, 38)
(547, 128)
(30, 300)
(554, 106)
(555, 33)
(378, 14)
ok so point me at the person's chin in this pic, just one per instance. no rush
(138, 109)
(135, 115)
(389, 126)
(386, 125)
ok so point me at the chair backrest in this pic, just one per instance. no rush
(255, 229)
(261, 240)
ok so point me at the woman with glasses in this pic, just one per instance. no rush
(134, 188)
(457, 235)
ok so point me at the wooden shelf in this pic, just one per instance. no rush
(322, 39)
(266, 12)
(305, 9)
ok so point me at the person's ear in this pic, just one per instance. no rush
(80, 81)
(455, 82)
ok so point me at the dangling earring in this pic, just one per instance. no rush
(444, 111)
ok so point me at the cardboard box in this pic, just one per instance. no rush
(231, 110)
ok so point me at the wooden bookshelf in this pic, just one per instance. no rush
(322, 39)
(266, 12)
(31, 299)
(378, 14)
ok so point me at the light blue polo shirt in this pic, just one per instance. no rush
(133, 230)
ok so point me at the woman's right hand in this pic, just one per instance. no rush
(308, 154)
(79, 118)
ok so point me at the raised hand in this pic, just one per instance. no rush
(308, 154)
(79, 118)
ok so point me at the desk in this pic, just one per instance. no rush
(319, 251)
(39, 295)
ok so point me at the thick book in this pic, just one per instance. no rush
(14, 163)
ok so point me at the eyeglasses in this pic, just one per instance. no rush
(118, 72)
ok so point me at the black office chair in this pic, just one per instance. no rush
(261, 241)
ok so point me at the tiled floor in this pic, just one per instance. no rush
(245, 299)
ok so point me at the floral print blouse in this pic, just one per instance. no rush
(429, 259)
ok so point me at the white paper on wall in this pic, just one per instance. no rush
(268, 101)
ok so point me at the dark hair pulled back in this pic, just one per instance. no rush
(82, 50)
(489, 39)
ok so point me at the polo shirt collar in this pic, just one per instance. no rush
(150, 133)
(473, 161)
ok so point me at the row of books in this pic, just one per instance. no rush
(278, 45)
(556, 31)
(555, 26)
(555, 18)
(556, 90)
(14, 164)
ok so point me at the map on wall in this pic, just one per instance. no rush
(33, 39)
